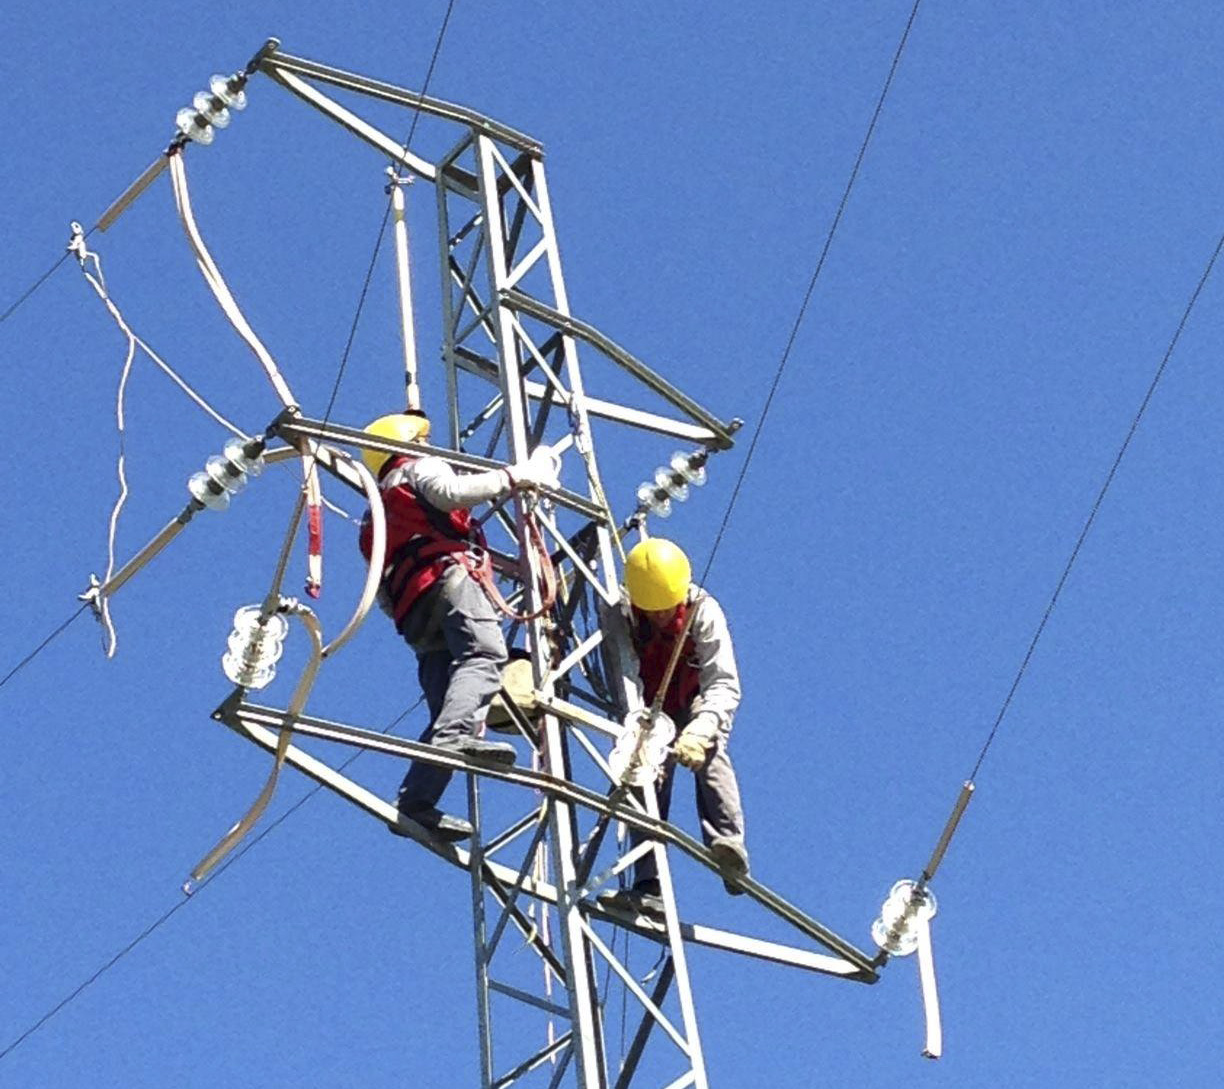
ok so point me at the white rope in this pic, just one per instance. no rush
(216, 416)
(100, 603)
(182, 384)
(97, 281)
(378, 552)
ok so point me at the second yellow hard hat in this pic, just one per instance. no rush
(657, 574)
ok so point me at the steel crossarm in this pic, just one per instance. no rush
(566, 323)
(293, 428)
(249, 718)
(389, 92)
(482, 367)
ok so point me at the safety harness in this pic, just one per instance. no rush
(655, 647)
(421, 538)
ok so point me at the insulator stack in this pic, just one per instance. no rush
(896, 930)
(210, 110)
(671, 482)
(255, 646)
(226, 473)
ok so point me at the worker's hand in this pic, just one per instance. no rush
(697, 740)
(541, 470)
(693, 748)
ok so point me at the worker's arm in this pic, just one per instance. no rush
(438, 484)
(715, 660)
(620, 661)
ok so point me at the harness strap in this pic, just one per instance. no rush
(471, 550)
(481, 569)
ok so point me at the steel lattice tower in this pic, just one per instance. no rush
(545, 843)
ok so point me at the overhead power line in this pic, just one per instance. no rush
(969, 785)
(382, 227)
(174, 908)
(811, 287)
(37, 283)
(42, 646)
(1096, 506)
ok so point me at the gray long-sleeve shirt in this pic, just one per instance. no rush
(714, 657)
(433, 479)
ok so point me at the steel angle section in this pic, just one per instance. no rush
(572, 326)
(528, 999)
(255, 728)
(527, 262)
(389, 92)
(480, 318)
(576, 656)
(358, 126)
(634, 417)
(638, 1046)
(529, 928)
(257, 725)
(519, 828)
(301, 427)
(462, 275)
(244, 715)
(660, 1018)
(509, 178)
(540, 1057)
(478, 365)
(451, 157)
(538, 352)
(509, 902)
(482, 367)
(788, 955)
(588, 577)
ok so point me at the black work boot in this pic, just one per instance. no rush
(639, 900)
(438, 824)
(494, 752)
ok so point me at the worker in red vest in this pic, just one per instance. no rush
(701, 699)
(431, 587)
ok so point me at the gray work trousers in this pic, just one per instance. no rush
(718, 806)
(460, 651)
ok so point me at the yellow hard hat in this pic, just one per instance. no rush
(401, 426)
(657, 574)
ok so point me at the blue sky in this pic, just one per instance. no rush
(1039, 201)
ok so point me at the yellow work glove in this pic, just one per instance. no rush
(697, 741)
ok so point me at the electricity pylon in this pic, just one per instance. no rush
(549, 832)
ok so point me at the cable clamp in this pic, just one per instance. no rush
(93, 596)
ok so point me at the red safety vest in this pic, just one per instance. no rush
(654, 650)
(420, 538)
